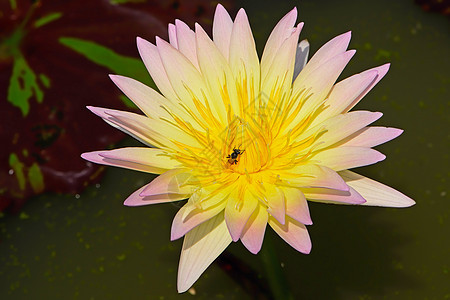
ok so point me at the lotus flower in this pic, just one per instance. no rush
(247, 141)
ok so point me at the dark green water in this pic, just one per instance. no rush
(92, 247)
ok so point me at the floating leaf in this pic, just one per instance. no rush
(54, 59)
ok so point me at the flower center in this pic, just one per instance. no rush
(264, 134)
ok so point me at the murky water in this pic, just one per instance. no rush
(92, 247)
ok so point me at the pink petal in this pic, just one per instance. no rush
(294, 233)
(215, 70)
(253, 233)
(238, 212)
(149, 160)
(345, 93)
(150, 131)
(175, 181)
(136, 199)
(95, 157)
(150, 56)
(381, 70)
(340, 127)
(132, 125)
(315, 176)
(371, 136)
(147, 99)
(154, 128)
(281, 70)
(319, 82)
(376, 193)
(276, 202)
(185, 78)
(222, 28)
(334, 196)
(280, 33)
(186, 42)
(173, 36)
(244, 61)
(201, 246)
(296, 205)
(332, 48)
(342, 158)
(190, 216)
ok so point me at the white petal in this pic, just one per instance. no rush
(279, 34)
(296, 205)
(334, 196)
(279, 73)
(201, 246)
(190, 216)
(310, 175)
(222, 27)
(319, 82)
(175, 181)
(382, 70)
(149, 160)
(371, 136)
(238, 212)
(253, 233)
(173, 36)
(376, 193)
(244, 61)
(332, 48)
(344, 93)
(153, 63)
(342, 158)
(186, 42)
(292, 232)
(147, 99)
(340, 127)
(136, 199)
(215, 70)
(186, 79)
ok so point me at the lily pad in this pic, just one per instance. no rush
(54, 60)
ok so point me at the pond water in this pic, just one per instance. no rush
(90, 246)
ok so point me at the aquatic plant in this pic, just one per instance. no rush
(249, 142)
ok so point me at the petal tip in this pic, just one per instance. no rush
(308, 222)
(254, 250)
(96, 110)
(86, 155)
(241, 14)
(140, 41)
(351, 52)
(306, 250)
(175, 230)
(406, 202)
(220, 7)
(128, 203)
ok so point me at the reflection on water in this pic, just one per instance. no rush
(93, 247)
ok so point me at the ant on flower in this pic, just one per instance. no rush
(234, 155)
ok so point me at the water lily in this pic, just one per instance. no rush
(247, 141)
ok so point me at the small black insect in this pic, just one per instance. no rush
(234, 155)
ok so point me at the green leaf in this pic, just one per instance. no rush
(45, 80)
(23, 85)
(13, 4)
(103, 56)
(17, 167)
(36, 178)
(47, 19)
